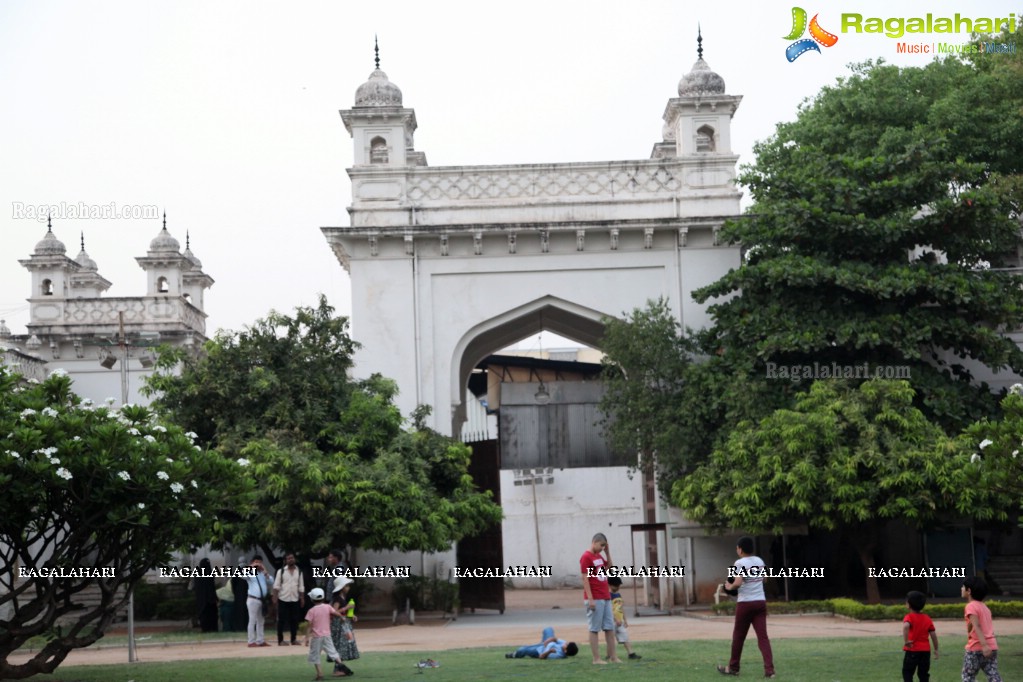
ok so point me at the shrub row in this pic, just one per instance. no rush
(858, 611)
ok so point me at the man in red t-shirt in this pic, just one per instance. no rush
(594, 567)
(916, 627)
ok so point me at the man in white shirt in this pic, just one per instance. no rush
(258, 589)
(751, 608)
(289, 598)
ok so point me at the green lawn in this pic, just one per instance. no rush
(805, 660)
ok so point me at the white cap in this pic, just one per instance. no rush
(340, 582)
(316, 594)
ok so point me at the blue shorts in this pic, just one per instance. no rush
(601, 617)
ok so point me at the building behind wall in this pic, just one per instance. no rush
(74, 326)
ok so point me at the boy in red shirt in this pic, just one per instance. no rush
(916, 627)
(598, 597)
(981, 646)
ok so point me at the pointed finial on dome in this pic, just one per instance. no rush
(165, 219)
(49, 225)
(699, 42)
(376, 51)
(188, 241)
(81, 236)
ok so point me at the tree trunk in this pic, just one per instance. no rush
(864, 539)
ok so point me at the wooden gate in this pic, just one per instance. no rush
(484, 550)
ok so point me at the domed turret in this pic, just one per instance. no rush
(188, 252)
(163, 241)
(84, 260)
(701, 80)
(378, 91)
(49, 245)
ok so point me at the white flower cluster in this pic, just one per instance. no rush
(64, 473)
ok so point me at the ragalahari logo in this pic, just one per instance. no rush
(818, 35)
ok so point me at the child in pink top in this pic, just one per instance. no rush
(981, 646)
(319, 625)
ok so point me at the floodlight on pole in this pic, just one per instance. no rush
(108, 362)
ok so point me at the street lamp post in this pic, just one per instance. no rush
(122, 343)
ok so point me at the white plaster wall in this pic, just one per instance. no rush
(579, 503)
(383, 321)
(607, 284)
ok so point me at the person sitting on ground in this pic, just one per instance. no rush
(549, 648)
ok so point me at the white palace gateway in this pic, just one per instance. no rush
(450, 264)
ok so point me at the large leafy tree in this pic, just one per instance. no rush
(881, 217)
(97, 493)
(994, 448)
(670, 397)
(331, 459)
(848, 459)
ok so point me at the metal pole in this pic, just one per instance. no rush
(132, 655)
(536, 528)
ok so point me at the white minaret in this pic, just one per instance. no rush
(698, 121)
(194, 282)
(52, 273)
(163, 264)
(381, 128)
(87, 282)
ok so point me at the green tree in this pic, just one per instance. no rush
(847, 459)
(99, 494)
(329, 456)
(881, 216)
(994, 446)
(669, 396)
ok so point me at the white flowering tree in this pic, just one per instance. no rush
(994, 448)
(92, 496)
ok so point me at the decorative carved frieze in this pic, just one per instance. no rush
(479, 184)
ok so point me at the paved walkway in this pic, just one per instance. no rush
(521, 623)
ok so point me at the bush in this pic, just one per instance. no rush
(148, 597)
(180, 608)
(851, 608)
(425, 594)
(779, 607)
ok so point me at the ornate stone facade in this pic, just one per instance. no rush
(72, 325)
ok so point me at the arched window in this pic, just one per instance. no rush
(47, 288)
(378, 150)
(704, 139)
(162, 287)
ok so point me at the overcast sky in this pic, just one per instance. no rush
(226, 113)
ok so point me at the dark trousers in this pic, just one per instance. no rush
(287, 614)
(919, 662)
(749, 613)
